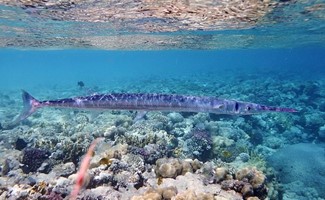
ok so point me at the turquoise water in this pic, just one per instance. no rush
(67, 67)
(273, 56)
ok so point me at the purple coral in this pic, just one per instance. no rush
(33, 158)
(199, 143)
(150, 152)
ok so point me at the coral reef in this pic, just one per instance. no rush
(172, 167)
(198, 144)
(33, 158)
(170, 155)
(256, 179)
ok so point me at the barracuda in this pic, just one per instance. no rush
(149, 102)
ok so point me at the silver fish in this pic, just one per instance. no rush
(149, 102)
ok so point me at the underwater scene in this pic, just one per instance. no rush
(162, 100)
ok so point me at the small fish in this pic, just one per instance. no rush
(149, 102)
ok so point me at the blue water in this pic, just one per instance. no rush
(23, 69)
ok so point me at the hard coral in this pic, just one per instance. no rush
(166, 193)
(172, 167)
(191, 195)
(242, 187)
(151, 194)
(220, 174)
(255, 177)
(199, 143)
(168, 167)
(150, 152)
(169, 192)
(106, 153)
(33, 158)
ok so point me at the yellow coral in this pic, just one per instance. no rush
(39, 188)
(226, 154)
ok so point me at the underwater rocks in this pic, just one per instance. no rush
(64, 169)
(10, 163)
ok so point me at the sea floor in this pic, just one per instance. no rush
(169, 155)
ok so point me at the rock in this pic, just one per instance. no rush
(63, 186)
(3, 195)
(31, 181)
(65, 169)
(9, 164)
(101, 179)
(44, 168)
(6, 167)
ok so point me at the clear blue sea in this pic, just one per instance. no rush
(266, 52)
(27, 69)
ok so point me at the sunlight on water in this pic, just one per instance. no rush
(165, 24)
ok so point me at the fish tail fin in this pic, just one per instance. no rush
(30, 104)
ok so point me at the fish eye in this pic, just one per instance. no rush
(248, 108)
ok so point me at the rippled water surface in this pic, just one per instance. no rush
(165, 24)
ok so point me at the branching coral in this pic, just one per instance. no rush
(199, 144)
